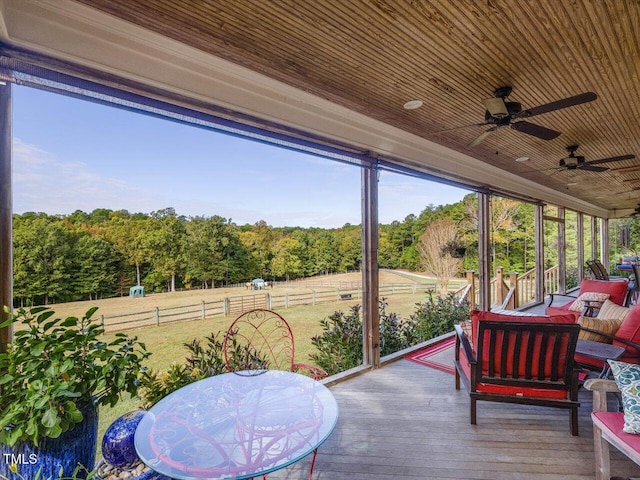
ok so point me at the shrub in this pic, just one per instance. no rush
(434, 317)
(202, 361)
(340, 344)
(572, 278)
(392, 331)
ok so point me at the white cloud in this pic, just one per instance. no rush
(44, 183)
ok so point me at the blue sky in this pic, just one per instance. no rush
(71, 154)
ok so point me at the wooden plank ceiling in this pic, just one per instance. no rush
(373, 56)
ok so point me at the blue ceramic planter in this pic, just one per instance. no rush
(117, 444)
(53, 455)
(118, 447)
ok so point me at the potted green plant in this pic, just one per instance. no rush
(53, 377)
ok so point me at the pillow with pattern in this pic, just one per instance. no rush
(627, 378)
(578, 304)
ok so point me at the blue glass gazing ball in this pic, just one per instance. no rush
(117, 444)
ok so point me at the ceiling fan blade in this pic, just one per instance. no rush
(481, 138)
(535, 130)
(611, 159)
(496, 107)
(558, 104)
(591, 168)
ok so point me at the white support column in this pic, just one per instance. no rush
(538, 217)
(604, 242)
(6, 256)
(562, 251)
(484, 260)
(580, 234)
(370, 301)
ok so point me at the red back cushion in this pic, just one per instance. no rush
(616, 290)
(477, 316)
(630, 330)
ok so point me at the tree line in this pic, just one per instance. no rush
(84, 256)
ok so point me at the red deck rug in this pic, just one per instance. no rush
(439, 356)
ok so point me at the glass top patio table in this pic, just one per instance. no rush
(236, 425)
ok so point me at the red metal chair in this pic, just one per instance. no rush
(262, 339)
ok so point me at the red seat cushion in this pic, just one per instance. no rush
(507, 389)
(591, 363)
(612, 423)
(630, 330)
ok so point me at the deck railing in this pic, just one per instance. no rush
(511, 291)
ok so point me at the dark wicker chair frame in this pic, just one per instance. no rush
(540, 344)
(262, 339)
(597, 270)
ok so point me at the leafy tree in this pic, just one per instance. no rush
(166, 240)
(349, 239)
(98, 265)
(42, 249)
(324, 253)
(288, 259)
(258, 254)
(211, 247)
(130, 237)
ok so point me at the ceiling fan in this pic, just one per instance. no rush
(501, 113)
(578, 162)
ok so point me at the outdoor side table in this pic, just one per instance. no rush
(599, 351)
(236, 426)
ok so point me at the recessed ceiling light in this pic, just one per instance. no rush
(413, 104)
(571, 184)
(522, 159)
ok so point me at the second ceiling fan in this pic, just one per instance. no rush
(502, 113)
(578, 162)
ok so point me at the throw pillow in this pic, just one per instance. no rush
(611, 311)
(609, 327)
(578, 304)
(627, 378)
(466, 328)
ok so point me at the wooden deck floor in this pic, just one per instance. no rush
(407, 421)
